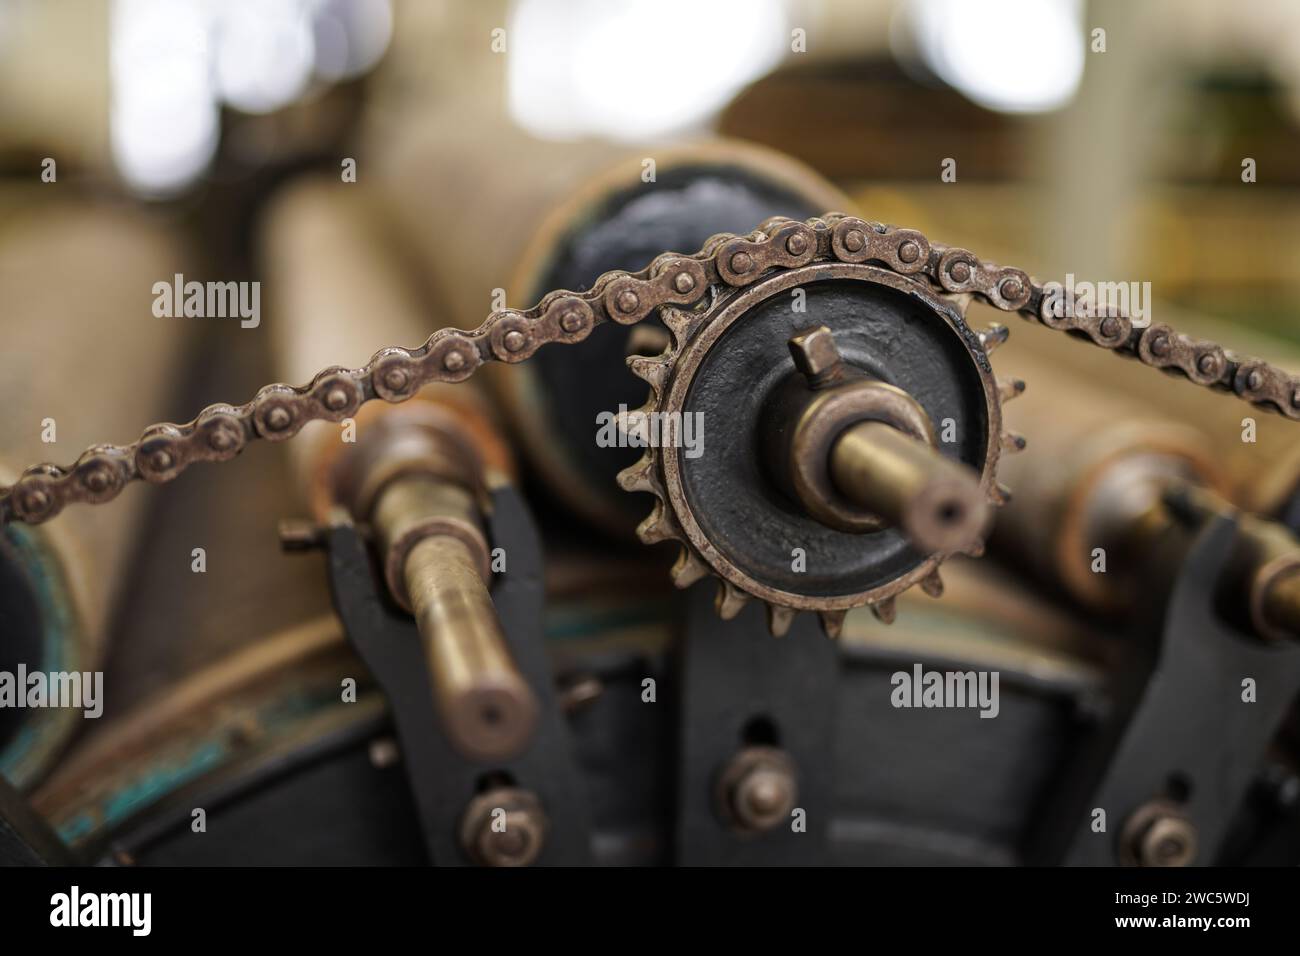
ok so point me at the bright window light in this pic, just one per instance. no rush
(636, 68)
(1015, 56)
(164, 122)
(174, 62)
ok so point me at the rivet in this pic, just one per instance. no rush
(854, 241)
(453, 361)
(514, 340)
(278, 418)
(627, 301)
(571, 320)
(909, 251)
(684, 282)
(797, 244)
(741, 263)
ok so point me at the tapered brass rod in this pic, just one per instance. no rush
(936, 502)
(488, 709)
(437, 567)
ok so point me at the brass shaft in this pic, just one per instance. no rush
(436, 564)
(933, 500)
(488, 709)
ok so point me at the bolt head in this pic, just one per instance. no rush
(758, 788)
(505, 826)
(763, 798)
(1168, 841)
(518, 844)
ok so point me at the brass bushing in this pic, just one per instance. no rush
(823, 420)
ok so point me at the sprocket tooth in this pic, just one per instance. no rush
(658, 526)
(680, 323)
(653, 370)
(992, 337)
(1010, 388)
(832, 623)
(688, 568)
(638, 477)
(885, 610)
(730, 600)
(932, 584)
(633, 423)
(779, 619)
(1013, 443)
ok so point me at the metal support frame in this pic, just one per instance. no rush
(1188, 737)
(732, 673)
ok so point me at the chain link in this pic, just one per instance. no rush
(278, 412)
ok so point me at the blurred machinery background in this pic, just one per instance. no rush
(386, 168)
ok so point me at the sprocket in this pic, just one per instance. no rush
(745, 363)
